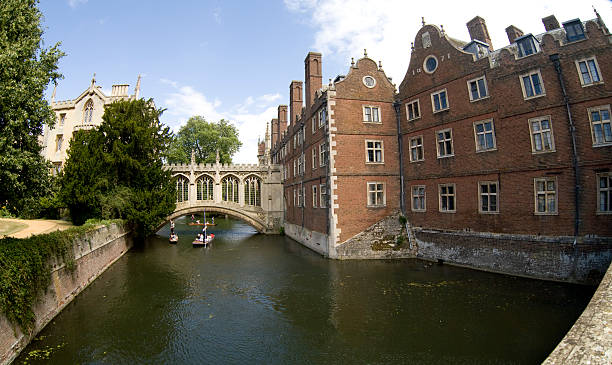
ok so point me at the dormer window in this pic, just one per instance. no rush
(527, 45)
(574, 30)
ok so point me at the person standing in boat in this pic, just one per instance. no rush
(171, 226)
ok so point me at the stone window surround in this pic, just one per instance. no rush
(374, 149)
(546, 194)
(542, 132)
(489, 194)
(530, 74)
(597, 69)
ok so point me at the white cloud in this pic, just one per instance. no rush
(343, 28)
(75, 3)
(250, 117)
(217, 15)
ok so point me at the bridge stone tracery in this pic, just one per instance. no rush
(252, 193)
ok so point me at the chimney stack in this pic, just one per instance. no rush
(550, 23)
(477, 28)
(282, 120)
(313, 77)
(275, 132)
(295, 100)
(513, 33)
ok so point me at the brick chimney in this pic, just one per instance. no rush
(282, 120)
(313, 77)
(477, 28)
(275, 132)
(550, 23)
(513, 33)
(295, 100)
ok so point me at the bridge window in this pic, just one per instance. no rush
(252, 191)
(182, 189)
(229, 189)
(205, 188)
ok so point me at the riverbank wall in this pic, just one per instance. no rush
(94, 252)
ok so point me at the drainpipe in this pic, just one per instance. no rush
(396, 106)
(572, 128)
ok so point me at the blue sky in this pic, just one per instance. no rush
(235, 59)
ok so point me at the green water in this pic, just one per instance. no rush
(256, 299)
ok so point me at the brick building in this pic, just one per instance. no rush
(507, 144)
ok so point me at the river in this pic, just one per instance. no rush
(257, 299)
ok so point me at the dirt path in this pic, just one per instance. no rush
(32, 227)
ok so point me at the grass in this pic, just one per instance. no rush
(8, 227)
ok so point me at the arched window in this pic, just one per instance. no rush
(182, 189)
(88, 111)
(229, 189)
(252, 191)
(204, 189)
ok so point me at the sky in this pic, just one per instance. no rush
(234, 60)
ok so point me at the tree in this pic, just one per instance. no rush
(204, 138)
(116, 170)
(26, 71)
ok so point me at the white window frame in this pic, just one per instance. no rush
(374, 149)
(314, 124)
(372, 108)
(322, 152)
(322, 196)
(530, 76)
(376, 191)
(475, 81)
(415, 193)
(315, 195)
(294, 167)
(322, 117)
(416, 115)
(542, 133)
(448, 195)
(433, 103)
(600, 122)
(314, 157)
(532, 41)
(484, 134)
(488, 194)
(452, 152)
(589, 71)
(606, 190)
(416, 147)
(295, 197)
(546, 193)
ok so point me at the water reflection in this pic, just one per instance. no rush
(252, 298)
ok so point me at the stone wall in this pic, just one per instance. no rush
(314, 240)
(94, 252)
(539, 257)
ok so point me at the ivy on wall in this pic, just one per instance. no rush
(25, 268)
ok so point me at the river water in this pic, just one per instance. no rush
(256, 299)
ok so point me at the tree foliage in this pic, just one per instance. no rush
(116, 170)
(26, 70)
(204, 138)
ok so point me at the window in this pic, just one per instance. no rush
(600, 125)
(301, 164)
(323, 154)
(541, 135)
(478, 89)
(314, 124)
(487, 196)
(315, 196)
(413, 110)
(294, 141)
(416, 149)
(229, 189)
(294, 168)
(376, 194)
(445, 143)
(300, 197)
(58, 142)
(604, 191)
(574, 30)
(87, 112)
(57, 168)
(588, 71)
(322, 117)
(430, 64)
(62, 119)
(374, 152)
(438, 101)
(252, 191)
(314, 157)
(418, 198)
(532, 85)
(371, 114)
(204, 188)
(295, 201)
(369, 81)
(322, 196)
(485, 135)
(182, 189)
(545, 190)
(527, 45)
(447, 198)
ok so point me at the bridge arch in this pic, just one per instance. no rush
(254, 222)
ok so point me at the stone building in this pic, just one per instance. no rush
(84, 112)
(505, 154)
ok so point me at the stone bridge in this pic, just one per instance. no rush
(252, 193)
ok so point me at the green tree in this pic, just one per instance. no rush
(26, 70)
(116, 170)
(204, 138)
